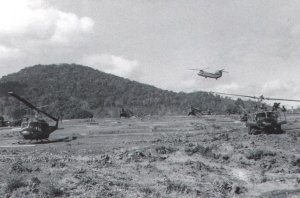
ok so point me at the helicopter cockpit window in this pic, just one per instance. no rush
(260, 116)
(24, 124)
(271, 115)
(35, 126)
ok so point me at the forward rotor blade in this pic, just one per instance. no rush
(235, 95)
(282, 99)
(28, 104)
(254, 97)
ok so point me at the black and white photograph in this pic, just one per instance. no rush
(150, 98)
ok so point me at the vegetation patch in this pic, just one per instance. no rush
(13, 182)
(206, 151)
(296, 162)
(177, 186)
(165, 149)
(51, 189)
(19, 167)
(258, 154)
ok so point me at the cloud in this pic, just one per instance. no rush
(281, 88)
(227, 87)
(117, 65)
(6, 52)
(36, 20)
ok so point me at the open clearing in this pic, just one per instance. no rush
(180, 156)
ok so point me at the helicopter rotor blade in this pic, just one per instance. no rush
(28, 104)
(260, 98)
(236, 95)
(199, 69)
(39, 107)
(292, 100)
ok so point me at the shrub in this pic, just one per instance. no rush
(51, 189)
(13, 182)
(177, 187)
(203, 150)
(165, 150)
(258, 154)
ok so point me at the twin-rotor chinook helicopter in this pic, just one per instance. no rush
(216, 75)
(36, 129)
(263, 119)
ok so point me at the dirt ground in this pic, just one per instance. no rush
(209, 156)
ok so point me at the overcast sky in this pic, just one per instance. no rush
(158, 41)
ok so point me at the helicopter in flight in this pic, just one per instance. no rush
(264, 119)
(206, 74)
(35, 129)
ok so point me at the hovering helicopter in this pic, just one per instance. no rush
(36, 129)
(263, 119)
(216, 75)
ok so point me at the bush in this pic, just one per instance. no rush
(258, 154)
(51, 189)
(203, 150)
(177, 187)
(13, 182)
(165, 150)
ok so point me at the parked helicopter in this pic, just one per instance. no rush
(194, 112)
(263, 119)
(35, 129)
(216, 75)
(126, 113)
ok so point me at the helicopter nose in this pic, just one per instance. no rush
(25, 133)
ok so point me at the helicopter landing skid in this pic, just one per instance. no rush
(66, 139)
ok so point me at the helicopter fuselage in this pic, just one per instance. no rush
(268, 121)
(36, 130)
(216, 75)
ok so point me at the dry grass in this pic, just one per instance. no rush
(164, 163)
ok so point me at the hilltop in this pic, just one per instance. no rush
(76, 91)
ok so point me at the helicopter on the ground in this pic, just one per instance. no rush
(126, 113)
(35, 129)
(216, 75)
(4, 123)
(264, 119)
(194, 112)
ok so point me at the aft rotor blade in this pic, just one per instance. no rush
(235, 95)
(282, 99)
(200, 69)
(28, 104)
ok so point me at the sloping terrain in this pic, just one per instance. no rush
(177, 156)
(75, 91)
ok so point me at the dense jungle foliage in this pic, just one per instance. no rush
(76, 91)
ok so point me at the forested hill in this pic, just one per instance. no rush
(75, 91)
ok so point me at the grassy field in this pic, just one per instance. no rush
(210, 156)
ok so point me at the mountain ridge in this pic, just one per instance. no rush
(77, 91)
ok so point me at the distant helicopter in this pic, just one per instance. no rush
(216, 75)
(263, 119)
(194, 112)
(36, 129)
(126, 113)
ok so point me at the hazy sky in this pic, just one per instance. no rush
(157, 41)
